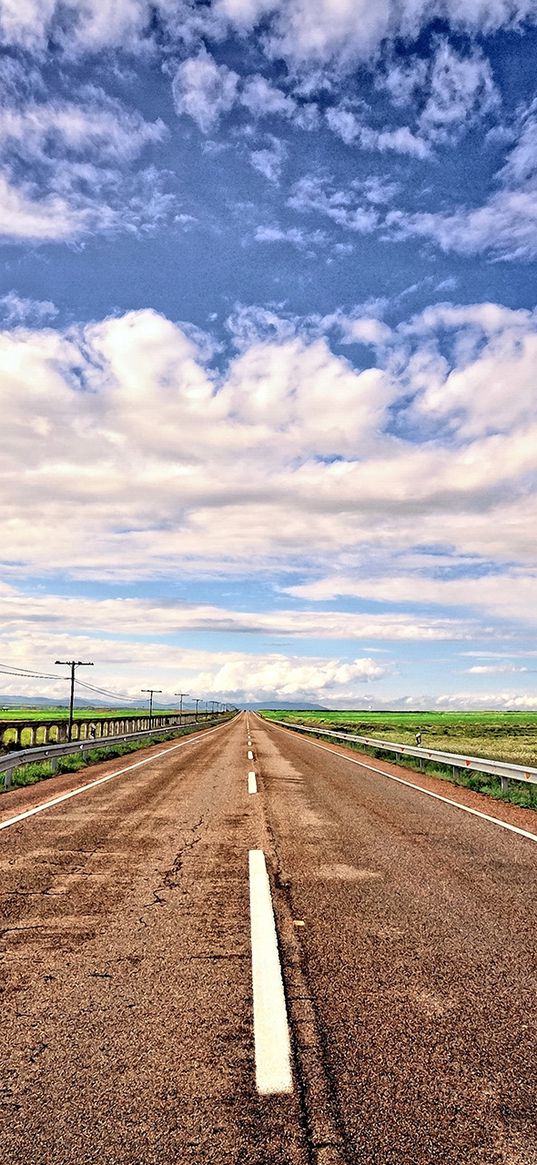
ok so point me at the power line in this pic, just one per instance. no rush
(8, 670)
(105, 692)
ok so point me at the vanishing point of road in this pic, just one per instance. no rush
(249, 948)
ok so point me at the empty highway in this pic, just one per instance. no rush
(372, 1004)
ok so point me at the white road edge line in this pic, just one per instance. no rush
(271, 1030)
(250, 754)
(427, 792)
(102, 780)
(252, 783)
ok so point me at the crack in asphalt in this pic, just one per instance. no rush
(171, 878)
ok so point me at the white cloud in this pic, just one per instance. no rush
(504, 596)
(344, 207)
(502, 701)
(312, 32)
(78, 156)
(304, 32)
(269, 161)
(286, 457)
(352, 130)
(96, 125)
(403, 80)
(365, 330)
(118, 616)
(16, 309)
(494, 669)
(263, 99)
(296, 236)
(284, 677)
(204, 90)
(461, 88)
(78, 25)
(24, 215)
(504, 226)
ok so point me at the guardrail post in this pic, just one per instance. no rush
(505, 784)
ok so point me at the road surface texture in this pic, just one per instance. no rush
(406, 932)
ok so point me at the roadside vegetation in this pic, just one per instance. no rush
(508, 736)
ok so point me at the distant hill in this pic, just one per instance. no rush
(40, 701)
(23, 702)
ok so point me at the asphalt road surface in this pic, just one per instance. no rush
(406, 945)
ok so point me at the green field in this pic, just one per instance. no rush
(55, 713)
(509, 736)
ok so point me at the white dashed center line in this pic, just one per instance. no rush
(271, 1031)
(252, 783)
(250, 754)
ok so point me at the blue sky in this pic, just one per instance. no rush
(268, 347)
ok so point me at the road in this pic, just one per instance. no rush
(406, 932)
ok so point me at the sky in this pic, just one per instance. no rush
(268, 349)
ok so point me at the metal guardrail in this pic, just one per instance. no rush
(19, 758)
(454, 760)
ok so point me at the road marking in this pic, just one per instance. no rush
(427, 792)
(250, 754)
(252, 783)
(271, 1030)
(102, 780)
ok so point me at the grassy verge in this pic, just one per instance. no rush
(517, 793)
(30, 774)
(508, 736)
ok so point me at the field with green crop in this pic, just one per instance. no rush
(510, 736)
(55, 713)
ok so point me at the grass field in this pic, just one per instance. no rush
(56, 713)
(510, 736)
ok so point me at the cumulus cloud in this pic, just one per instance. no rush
(307, 32)
(287, 456)
(77, 25)
(303, 32)
(204, 90)
(263, 99)
(130, 458)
